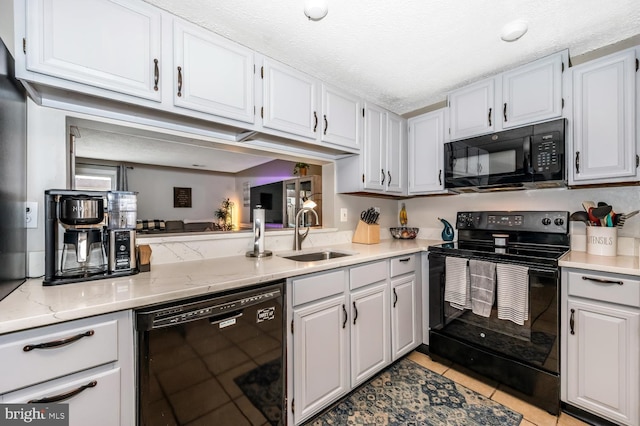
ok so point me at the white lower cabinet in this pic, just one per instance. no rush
(341, 332)
(87, 363)
(406, 299)
(601, 336)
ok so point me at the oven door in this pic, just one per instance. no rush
(535, 343)
(492, 160)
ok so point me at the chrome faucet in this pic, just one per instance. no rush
(297, 237)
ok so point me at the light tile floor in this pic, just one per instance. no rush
(531, 414)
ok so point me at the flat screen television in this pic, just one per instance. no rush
(270, 198)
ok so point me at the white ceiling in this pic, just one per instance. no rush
(405, 55)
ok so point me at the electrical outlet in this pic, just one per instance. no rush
(343, 215)
(31, 214)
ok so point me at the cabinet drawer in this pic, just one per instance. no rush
(316, 287)
(90, 343)
(619, 289)
(96, 400)
(403, 265)
(361, 276)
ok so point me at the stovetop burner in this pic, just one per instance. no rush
(531, 237)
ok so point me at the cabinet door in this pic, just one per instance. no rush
(212, 74)
(111, 44)
(375, 136)
(395, 154)
(370, 346)
(602, 359)
(341, 118)
(289, 98)
(471, 110)
(426, 141)
(96, 400)
(320, 355)
(404, 316)
(604, 132)
(532, 92)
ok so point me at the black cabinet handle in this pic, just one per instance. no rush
(440, 177)
(602, 281)
(179, 81)
(315, 122)
(504, 111)
(490, 110)
(404, 260)
(572, 321)
(395, 298)
(577, 161)
(60, 342)
(156, 74)
(63, 396)
(383, 177)
(389, 174)
(326, 124)
(356, 314)
(344, 310)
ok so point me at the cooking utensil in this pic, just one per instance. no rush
(625, 216)
(580, 216)
(593, 220)
(601, 212)
(587, 204)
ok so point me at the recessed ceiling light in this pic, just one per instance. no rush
(514, 30)
(316, 9)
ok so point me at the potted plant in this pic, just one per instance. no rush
(300, 168)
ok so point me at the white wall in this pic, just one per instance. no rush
(155, 192)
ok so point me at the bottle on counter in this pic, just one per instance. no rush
(403, 216)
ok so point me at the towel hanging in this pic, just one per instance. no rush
(456, 288)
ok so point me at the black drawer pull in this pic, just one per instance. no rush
(63, 396)
(356, 315)
(572, 321)
(602, 281)
(395, 298)
(156, 75)
(58, 343)
(344, 310)
(406, 259)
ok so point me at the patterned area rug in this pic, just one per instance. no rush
(408, 394)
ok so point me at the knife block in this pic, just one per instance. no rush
(367, 233)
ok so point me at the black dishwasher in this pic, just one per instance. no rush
(216, 360)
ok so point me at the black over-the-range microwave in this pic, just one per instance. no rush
(522, 158)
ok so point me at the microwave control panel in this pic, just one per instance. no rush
(547, 153)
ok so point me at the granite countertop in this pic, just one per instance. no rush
(34, 305)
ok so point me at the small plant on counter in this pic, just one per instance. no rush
(224, 215)
(300, 168)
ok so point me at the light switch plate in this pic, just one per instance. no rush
(31, 214)
(343, 215)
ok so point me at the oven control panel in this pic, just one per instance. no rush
(532, 221)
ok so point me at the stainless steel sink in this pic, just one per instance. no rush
(315, 256)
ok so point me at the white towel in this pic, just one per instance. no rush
(482, 277)
(456, 285)
(513, 292)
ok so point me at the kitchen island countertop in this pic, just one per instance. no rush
(33, 305)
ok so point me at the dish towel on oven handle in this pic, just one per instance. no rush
(513, 292)
(482, 277)
(456, 285)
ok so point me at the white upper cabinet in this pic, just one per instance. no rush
(472, 110)
(110, 44)
(341, 118)
(527, 94)
(396, 154)
(375, 135)
(605, 140)
(289, 100)
(426, 142)
(212, 74)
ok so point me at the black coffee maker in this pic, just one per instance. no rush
(77, 235)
